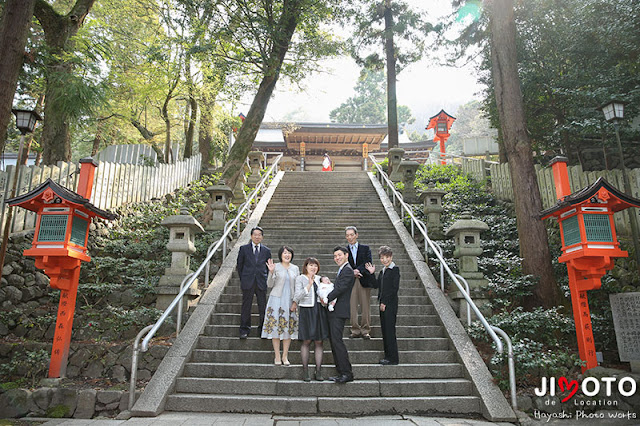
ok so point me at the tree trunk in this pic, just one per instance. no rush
(534, 245)
(191, 128)
(59, 31)
(97, 140)
(392, 102)
(168, 153)
(288, 22)
(14, 28)
(205, 138)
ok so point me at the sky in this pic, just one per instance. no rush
(424, 87)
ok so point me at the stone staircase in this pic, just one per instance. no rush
(308, 211)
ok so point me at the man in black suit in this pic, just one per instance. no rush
(252, 268)
(342, 292)
(359, 255)
(388, 284)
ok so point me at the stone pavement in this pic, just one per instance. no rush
(203, 419)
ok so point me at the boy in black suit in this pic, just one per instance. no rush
(252, 268)
(388, 284)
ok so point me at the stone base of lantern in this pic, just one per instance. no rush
(478, 295)
(254, 178)
(217, 221)
(169, 287)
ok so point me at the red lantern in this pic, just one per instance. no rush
(442, 123)
(60, 245)
(589, 243)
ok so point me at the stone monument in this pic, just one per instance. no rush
(217, 207)
(432, 208)
(182, 230)
(466, 234)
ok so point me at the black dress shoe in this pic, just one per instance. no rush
(244, 335)
(345, 378)
(334, 378)
(387, 362)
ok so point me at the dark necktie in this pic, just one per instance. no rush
(256, 252)
(381, 281)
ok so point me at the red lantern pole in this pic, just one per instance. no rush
(588, 249)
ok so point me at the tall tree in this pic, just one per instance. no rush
(384, 23)
(534, 245)
(369, 104)
(59, 33)
(263, 35)
(14, 28)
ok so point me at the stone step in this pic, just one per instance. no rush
(402, 300)
(235, 307)
(404, 290)
(323, 405)
(234, 319)
(299, 388)
(375, 343)
(294, 372)
(401, 331)
(357, 356)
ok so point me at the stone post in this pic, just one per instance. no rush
(255, 162)
(408, 170)
(466, 235)
(432, 208)
(182, 230)
(395, 157)
(217, 207)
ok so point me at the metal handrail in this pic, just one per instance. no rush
(437, 251)
(189, 279)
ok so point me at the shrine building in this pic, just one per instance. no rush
(346, 144)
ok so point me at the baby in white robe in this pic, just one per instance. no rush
(324, 288)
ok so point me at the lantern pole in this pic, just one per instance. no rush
(627, 188)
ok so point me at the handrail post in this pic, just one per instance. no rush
(134, 365)
(511, 365)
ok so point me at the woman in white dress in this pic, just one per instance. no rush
(280, 319)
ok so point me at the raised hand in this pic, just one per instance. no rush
(270, 265)
(370, 267)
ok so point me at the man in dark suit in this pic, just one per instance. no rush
(359, 255)
(342, 292)
(252, 268)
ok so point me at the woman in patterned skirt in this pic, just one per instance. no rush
(280, 319)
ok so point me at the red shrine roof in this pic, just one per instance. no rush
(29, 200)
(616, 199)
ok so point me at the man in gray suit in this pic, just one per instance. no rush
(342, 287)
(252, 268)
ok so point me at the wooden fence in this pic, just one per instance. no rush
(501, 186)
(114, 184)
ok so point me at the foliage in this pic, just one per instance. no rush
(555, 40)
(369, 104)
(30, 364)
(540, 336)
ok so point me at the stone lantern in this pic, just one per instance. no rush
(466, 234)
(408, 171)
(395, 157)
(255, 162)
(218, 207)
(182, 230)
(432, 201)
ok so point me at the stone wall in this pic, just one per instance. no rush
(62, 403)
(86, 361)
